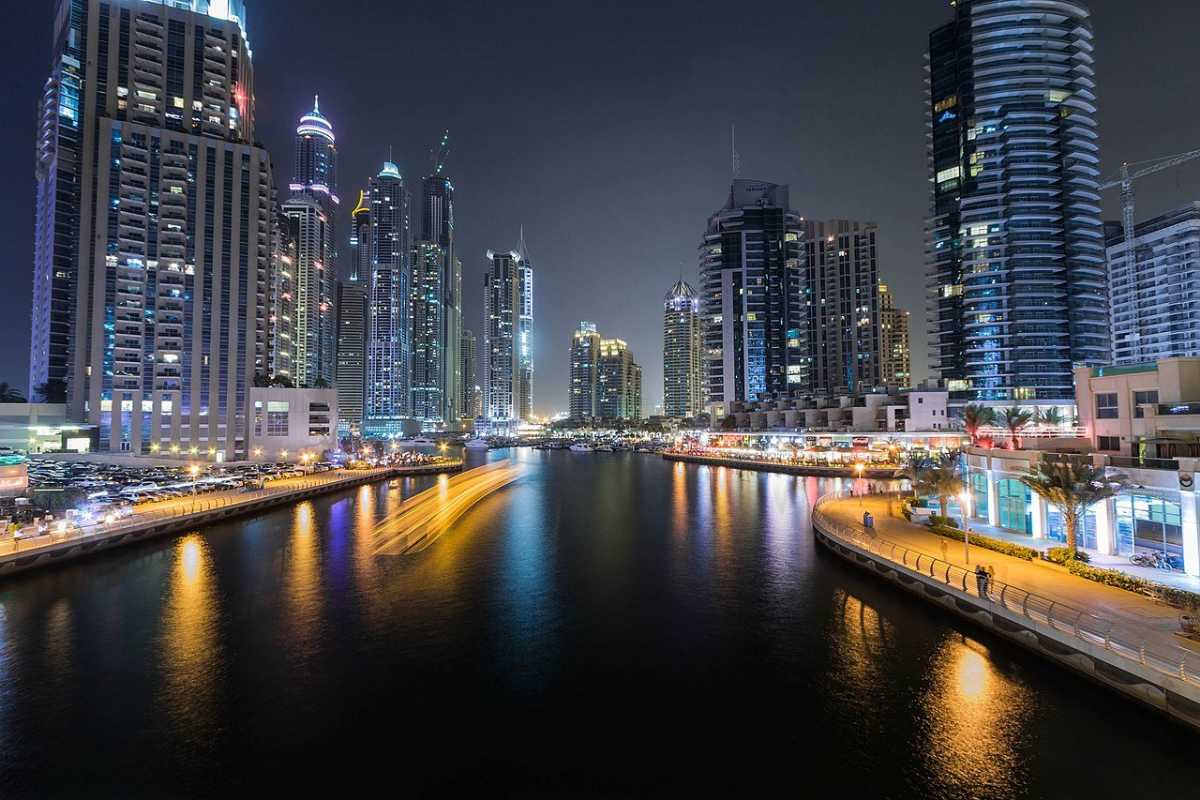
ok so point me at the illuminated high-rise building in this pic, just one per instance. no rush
(282, 350)
(501, 318)
(388, 401)
(313, 208)
(153, 235)
(683, 376)
(894, 355)
(467, 359)
(618, 382)
(524, 399)
(353, 316)
(582, 399)
(750, 296)
(1014, 244)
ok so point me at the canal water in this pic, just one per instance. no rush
(611, 624)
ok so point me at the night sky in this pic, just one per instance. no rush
(603, 128)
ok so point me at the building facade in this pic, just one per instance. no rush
(289, 424)
(1154, 295)
(843, 326)
(683, 376)
(154, 214)
(351, 381)
(1014, 245)
(895, 357)
(750, 296)
(468, 353)
(388, 400)
(312, 207)
(618, 382)
(524, 398)
(583, 400)
(502, 373)
(281, 362)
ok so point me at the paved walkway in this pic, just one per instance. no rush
(1179, 580)
(1156, 621)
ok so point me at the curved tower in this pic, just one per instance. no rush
(1015, 246)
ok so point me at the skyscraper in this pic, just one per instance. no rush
(582, 400)
(467, 355)
(502, 305)
(436, 305)
(388, 354)
(313, 209)
(1014, 247)
(750, 298)
(1155, 300)
(619, 382)
(842, 333)
(895, 358)
(524, 399)
(683, 377)
(152, 250)
(282, 349)
(353, 316)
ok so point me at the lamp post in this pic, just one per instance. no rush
(194, 470)
(964, 499)
(858, 470)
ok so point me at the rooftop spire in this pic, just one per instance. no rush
(316, 104)
(521, 248)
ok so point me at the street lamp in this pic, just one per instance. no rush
(964, 499)
(858, 470)
(194, 470)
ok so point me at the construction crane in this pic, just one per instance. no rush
(438, 155)
(1129, 173)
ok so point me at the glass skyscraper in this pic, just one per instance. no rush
(353, 315)
(504, 366)
(436, 313)
(154, 216)
(1015, 245)
(683, 387)
(388, 401)
(313, 209)
(585, 372)
(750, 296)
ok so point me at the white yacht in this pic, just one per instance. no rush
(581, 447)
(476, 444)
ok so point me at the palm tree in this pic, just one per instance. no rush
(1015, 419)
(1051, 417)
(942, 478)
(975, 417)
(8, 394)
(916, 464)
(1074, 485)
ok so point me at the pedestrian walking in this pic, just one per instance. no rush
(945, 550)
(981, 581)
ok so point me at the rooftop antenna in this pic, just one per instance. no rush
(733, 153)
(317, 103)
(438, 154)
(521, 246)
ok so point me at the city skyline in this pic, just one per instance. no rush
(775, 151)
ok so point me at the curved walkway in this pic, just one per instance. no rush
(1155, 621)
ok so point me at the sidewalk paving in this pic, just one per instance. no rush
(1156, 621)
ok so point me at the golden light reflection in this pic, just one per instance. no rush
(974, 716)
(302, 586)
(190, 648)
(679, 500)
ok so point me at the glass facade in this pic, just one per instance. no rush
(1145, 522)
(1015, 506)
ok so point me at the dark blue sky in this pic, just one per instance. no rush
(603, 127)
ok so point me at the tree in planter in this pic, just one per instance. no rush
(975, 417)
(1016, 419)
(943, 479)
(1074, 485)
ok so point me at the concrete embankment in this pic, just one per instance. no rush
(181, 516)
(1141, 664)
(877, 473)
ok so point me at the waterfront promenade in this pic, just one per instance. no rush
(189, 512)
(769, 465)
(1117, 637)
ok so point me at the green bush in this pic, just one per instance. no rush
(945, 522)
(1061, 555)
(1180, 598)
(987, 543)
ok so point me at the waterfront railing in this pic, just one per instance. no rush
(1095, 629)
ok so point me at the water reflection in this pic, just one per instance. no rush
(974, 717)
(190, 648)
(301, 584)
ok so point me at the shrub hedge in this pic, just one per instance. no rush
(1180, 598)
(1061, 555)
(987, 543)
